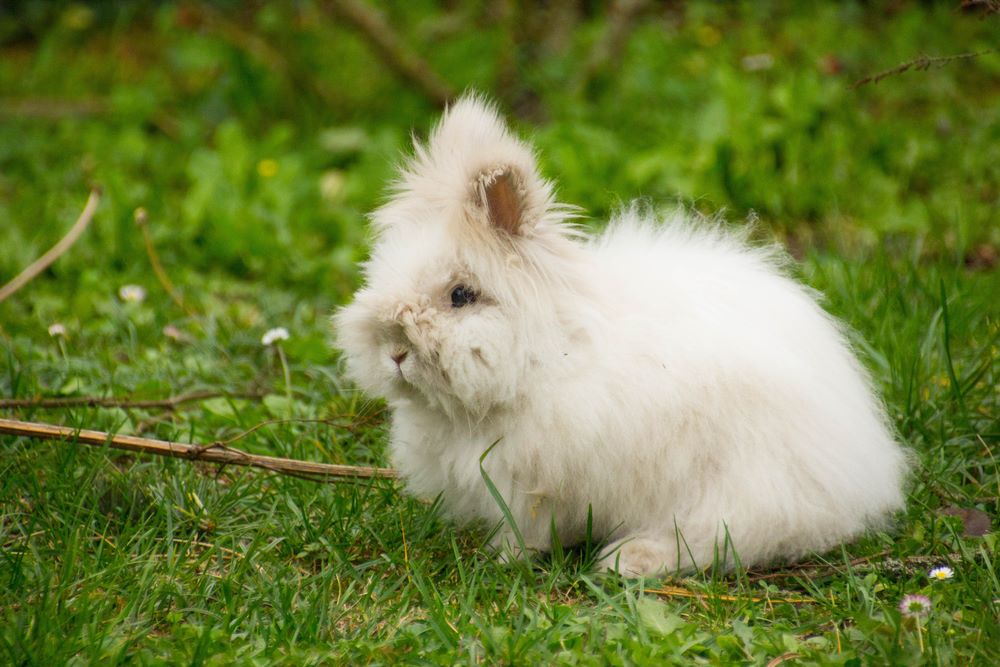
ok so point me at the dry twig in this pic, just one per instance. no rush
(64, 244)
(921, 64)
(677, 591)
(811, 570)
(168, 403)
(214, 453)
(783, 658)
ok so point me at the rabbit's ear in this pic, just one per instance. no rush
(500, 195)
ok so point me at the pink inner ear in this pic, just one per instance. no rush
(503, 202)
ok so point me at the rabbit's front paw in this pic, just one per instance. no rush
(639, 557)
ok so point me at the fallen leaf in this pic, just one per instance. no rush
(975, 523)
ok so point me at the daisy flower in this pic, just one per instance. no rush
(57, 330)
(131, 293)
(941, 573)
(274, 335)
(915, 606)
(175, 334)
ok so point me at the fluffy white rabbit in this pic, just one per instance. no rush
(665, 375)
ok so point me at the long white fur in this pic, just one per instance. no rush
(665, 374)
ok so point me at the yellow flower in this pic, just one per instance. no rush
(707, 35)
(267, 168)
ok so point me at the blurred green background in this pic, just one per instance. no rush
(257, 135)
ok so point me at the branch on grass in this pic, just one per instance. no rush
(407, 64)
(64, 244)
(213, 453)
(677, 591)
(921, 64)
(97, 402)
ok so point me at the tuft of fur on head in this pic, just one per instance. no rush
(469, 150)
(667, 374)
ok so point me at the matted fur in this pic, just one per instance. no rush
(665, 374)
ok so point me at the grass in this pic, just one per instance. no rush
(256, 185)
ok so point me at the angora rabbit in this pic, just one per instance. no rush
(665, 381)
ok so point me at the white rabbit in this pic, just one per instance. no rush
(665, 375)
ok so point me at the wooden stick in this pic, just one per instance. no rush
(215, 453)
(43, 262)
(168, 403)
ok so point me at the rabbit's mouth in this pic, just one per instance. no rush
(406, 376)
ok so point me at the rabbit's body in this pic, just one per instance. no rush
(667, 377)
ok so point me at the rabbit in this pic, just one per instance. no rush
(663, 386)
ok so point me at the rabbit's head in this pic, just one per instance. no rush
(471, 276)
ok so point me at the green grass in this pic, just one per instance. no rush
(888, 193)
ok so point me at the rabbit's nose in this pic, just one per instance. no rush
(398, 357)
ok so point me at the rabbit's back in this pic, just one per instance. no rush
(730, 396)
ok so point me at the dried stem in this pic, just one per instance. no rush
(407, 64)
(97, 402)
(57, 250)
(677, 591)
(920, 64)
(813, 569)
(141, 220)
(215, 453)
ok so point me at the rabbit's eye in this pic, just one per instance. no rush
(462, 296)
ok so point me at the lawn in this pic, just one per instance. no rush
(251, 140)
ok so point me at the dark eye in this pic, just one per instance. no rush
(462, 296)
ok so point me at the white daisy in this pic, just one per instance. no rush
(132, 293)
(915, 606)
(941, 573)
(57, 330)
(274, 335)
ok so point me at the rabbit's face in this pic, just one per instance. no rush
(431, 330)
(460, 300)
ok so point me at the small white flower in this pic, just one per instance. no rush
(941, 573)
(274, 335)
(915, 606)
(131, 293)
(57, 330)
(175, 334)
(757, 62)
